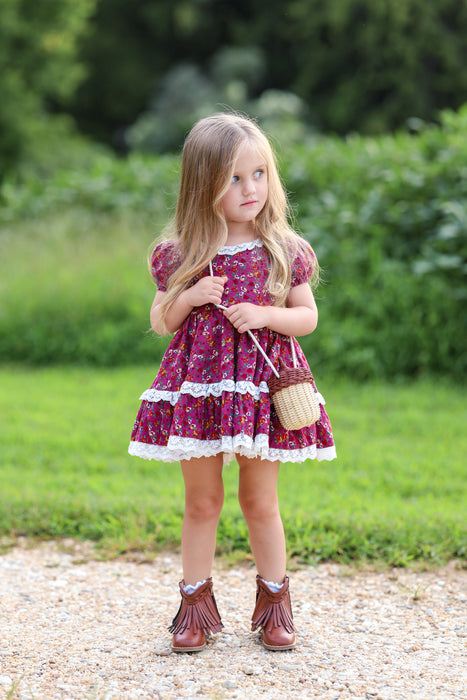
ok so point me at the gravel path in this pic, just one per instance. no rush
(72, 627)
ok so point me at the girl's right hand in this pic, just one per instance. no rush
(208, 290)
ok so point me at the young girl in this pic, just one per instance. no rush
(231, 265)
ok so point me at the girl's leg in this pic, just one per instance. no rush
(260, 506)
(204, 497)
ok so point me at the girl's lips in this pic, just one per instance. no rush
(245, 204)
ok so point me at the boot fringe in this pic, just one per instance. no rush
(271, 609)
(197, 611)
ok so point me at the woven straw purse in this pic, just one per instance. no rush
(291, 389)
(293, 395)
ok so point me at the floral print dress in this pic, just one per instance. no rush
(210, 395)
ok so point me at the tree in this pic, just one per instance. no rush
(359, 65)
(133, 45)
(368, 65)
(187, 94)
(39, 70)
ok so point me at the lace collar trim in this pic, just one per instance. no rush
(240, 247)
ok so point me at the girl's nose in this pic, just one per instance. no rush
(249, 186)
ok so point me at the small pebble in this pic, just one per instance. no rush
(290, 667)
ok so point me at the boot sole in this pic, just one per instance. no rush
(283, 648)
(183, 650)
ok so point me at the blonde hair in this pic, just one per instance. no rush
(199, 227)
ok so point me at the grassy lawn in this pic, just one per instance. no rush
(396, 493)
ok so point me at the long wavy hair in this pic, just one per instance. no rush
(199, 228)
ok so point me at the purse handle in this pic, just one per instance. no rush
(254, 339)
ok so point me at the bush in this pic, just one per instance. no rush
(386, 216)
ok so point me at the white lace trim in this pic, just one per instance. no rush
(191, 589)
(272, 585)
(240, 247)
(179, 448)
(199, 390)
(156, 395)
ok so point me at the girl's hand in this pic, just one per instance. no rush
(208, 290)
(246, 317)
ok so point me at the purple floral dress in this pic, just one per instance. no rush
(210, 395)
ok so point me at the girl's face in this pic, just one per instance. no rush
(248, 190)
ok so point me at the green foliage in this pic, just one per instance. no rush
(387, 219)
(186, 94)
(385, 215)
(65, 471)
(38, 66)
(367, 65)
(129, 48)
(153, 67)
(358, 65)
(104, 184)
(137, 74)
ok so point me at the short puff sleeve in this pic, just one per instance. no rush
(303, 264)
(164, 262)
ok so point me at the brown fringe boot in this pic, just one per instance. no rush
(273, 613)
(196, 617)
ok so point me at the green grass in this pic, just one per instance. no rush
(396, 493)
(75, 287)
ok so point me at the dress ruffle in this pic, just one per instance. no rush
(183, 448)
(206, 390)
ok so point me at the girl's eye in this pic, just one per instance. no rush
(256, 175)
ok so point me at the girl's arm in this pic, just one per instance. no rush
(207, 290)
(299, 317)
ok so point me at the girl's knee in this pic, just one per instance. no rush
(204, 507)
(258, 506)
(257, 493)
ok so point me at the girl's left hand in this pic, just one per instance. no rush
(245, 316)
